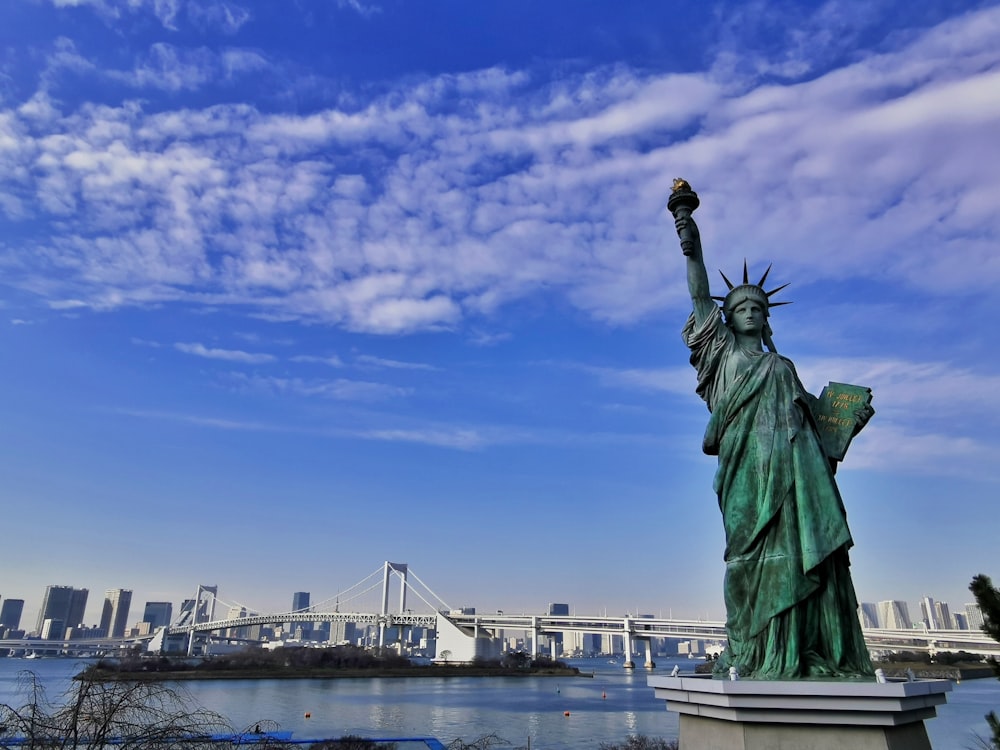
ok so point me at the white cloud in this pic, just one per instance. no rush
(895, 448)
(677, 380)
(333, 360)
(228, 355)
(461, 439)
(224, 15)
(364, 9)
(168, 68)
(340, 389)
(392, 364)
(440, 202)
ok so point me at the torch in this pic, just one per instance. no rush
(683, 201)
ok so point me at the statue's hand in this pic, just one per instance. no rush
(686, 227)
(861, 417)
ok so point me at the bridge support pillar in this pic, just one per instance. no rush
(552, 648)
(650, 664)
(535, 645)
(627, 642)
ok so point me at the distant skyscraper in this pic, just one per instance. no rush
(52, 629)
(961, 622)
(114, 616)
(300, 603)
(63, 603)
(928, 613)
(343, 632)
(558, 610)
(157, 614)
(10, 613)
(868, 614)
(236, 611)
(894, 614)
(943, 615)
(974, 615)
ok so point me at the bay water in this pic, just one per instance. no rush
(555, 713)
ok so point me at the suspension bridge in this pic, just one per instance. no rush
(462, 632)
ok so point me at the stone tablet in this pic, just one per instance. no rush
(835, 415)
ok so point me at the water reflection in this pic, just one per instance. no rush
(468, 708)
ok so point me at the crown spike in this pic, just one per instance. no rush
(775, 291)
(728, 282)
(777, 304)
(746, 276)
(721, 299)
(764, 277)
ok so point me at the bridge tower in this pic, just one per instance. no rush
(203, 610)
(387, 570)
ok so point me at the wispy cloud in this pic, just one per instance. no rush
(461, 439)
(225, 15)
(340, 389)
(456, 437)
(364, 9)
(205, 421)
(333, 360)
(228, 355)
(392, 364)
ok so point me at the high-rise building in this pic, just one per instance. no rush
(236, 612)
(894, 614)
(868, 614)
(300, 603)
(974, 616)
(63, 603)
(10, 614)
(114, 615)
(928, 613)
(343, 632)
(157, 614)
(943, 615)
(558, 610)
(52, 629)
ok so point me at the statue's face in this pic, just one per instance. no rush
(748, 317)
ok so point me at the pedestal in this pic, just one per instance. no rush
(804, 715)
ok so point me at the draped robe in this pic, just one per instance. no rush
(791, 611)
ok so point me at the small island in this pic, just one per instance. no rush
(314, 663)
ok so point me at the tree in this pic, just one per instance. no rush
(130, 715)
(988, 599)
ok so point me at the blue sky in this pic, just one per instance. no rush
(289, 289)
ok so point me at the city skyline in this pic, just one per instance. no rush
(287, 290)
(892, 613)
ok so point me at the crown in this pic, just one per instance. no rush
(746, 291)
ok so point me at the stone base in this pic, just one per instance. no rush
(713, 734)
(804, 715)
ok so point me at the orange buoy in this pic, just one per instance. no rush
(308, 715)
(604, 695)
(565, 713)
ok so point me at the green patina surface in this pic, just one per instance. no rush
(791, 610)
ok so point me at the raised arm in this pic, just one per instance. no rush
(682, 202)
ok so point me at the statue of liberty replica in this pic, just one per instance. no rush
(791, 610)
